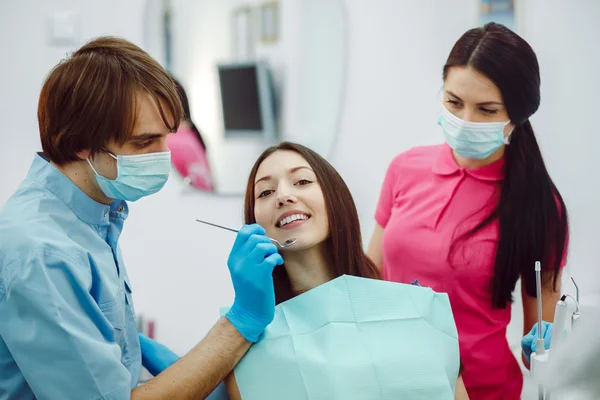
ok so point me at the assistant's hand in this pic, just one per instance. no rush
(251, 264)
(528, 342)
(155, 356)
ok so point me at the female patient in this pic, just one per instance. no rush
(292, 192)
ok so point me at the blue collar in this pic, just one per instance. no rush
(84, 207)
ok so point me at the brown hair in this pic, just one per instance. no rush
(344, 243)
(90, 98)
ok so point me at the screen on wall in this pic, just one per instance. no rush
(240, 99)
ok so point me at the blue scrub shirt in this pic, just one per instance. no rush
(67, 322)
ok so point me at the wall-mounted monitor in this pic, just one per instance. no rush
(247, 101)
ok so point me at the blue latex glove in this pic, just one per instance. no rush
(528, 343)
(251, 264)
(155, 356)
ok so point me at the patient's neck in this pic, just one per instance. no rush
(308, 268)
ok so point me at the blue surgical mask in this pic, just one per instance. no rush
(137, 175)
(477, 140)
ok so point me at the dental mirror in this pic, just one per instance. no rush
(287, 243)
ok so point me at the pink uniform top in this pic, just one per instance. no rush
(189, 158)
(426, 201)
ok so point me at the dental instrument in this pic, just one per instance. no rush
(558, 326)
(576, 315)
(539, 359)
(560, 314)
(538, 288)
(287, 243)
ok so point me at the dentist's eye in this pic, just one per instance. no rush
(454, 103)
(144, 144)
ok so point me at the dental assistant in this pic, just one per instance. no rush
(67, 319)
(472, 216)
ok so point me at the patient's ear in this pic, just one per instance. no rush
(232, 388)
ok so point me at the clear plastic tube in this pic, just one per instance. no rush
(538, 285)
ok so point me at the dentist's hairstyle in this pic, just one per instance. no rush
(91, 98)
(530, 212)
(344, 243)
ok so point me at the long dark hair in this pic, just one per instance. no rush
(187, 113)
(531, 213)
(344, 243)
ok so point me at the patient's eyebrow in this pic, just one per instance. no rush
(292, 170)
(264, 178)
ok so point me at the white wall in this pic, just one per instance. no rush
(307, 62)
(396, 51)
(202, 37)
(565, 37)
(27, 58)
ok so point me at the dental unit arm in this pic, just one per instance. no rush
(576, 315)
(539, 359)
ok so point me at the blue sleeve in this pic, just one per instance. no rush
(56, 332)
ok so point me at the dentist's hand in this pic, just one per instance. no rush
(251, 263)
(155, 357)
(528, 342)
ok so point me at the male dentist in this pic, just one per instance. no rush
(67, 322)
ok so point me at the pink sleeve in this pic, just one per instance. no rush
(189, 158)
(387, 194)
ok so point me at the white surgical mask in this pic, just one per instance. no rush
(477, 140)
(137, 175)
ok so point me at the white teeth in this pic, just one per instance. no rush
(291, 218)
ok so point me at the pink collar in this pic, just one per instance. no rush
(446, 165)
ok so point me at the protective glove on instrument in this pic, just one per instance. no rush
(528, 341)
(155, 356)
(251, 263)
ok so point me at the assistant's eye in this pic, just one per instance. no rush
(489, 111)
(453, 102)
